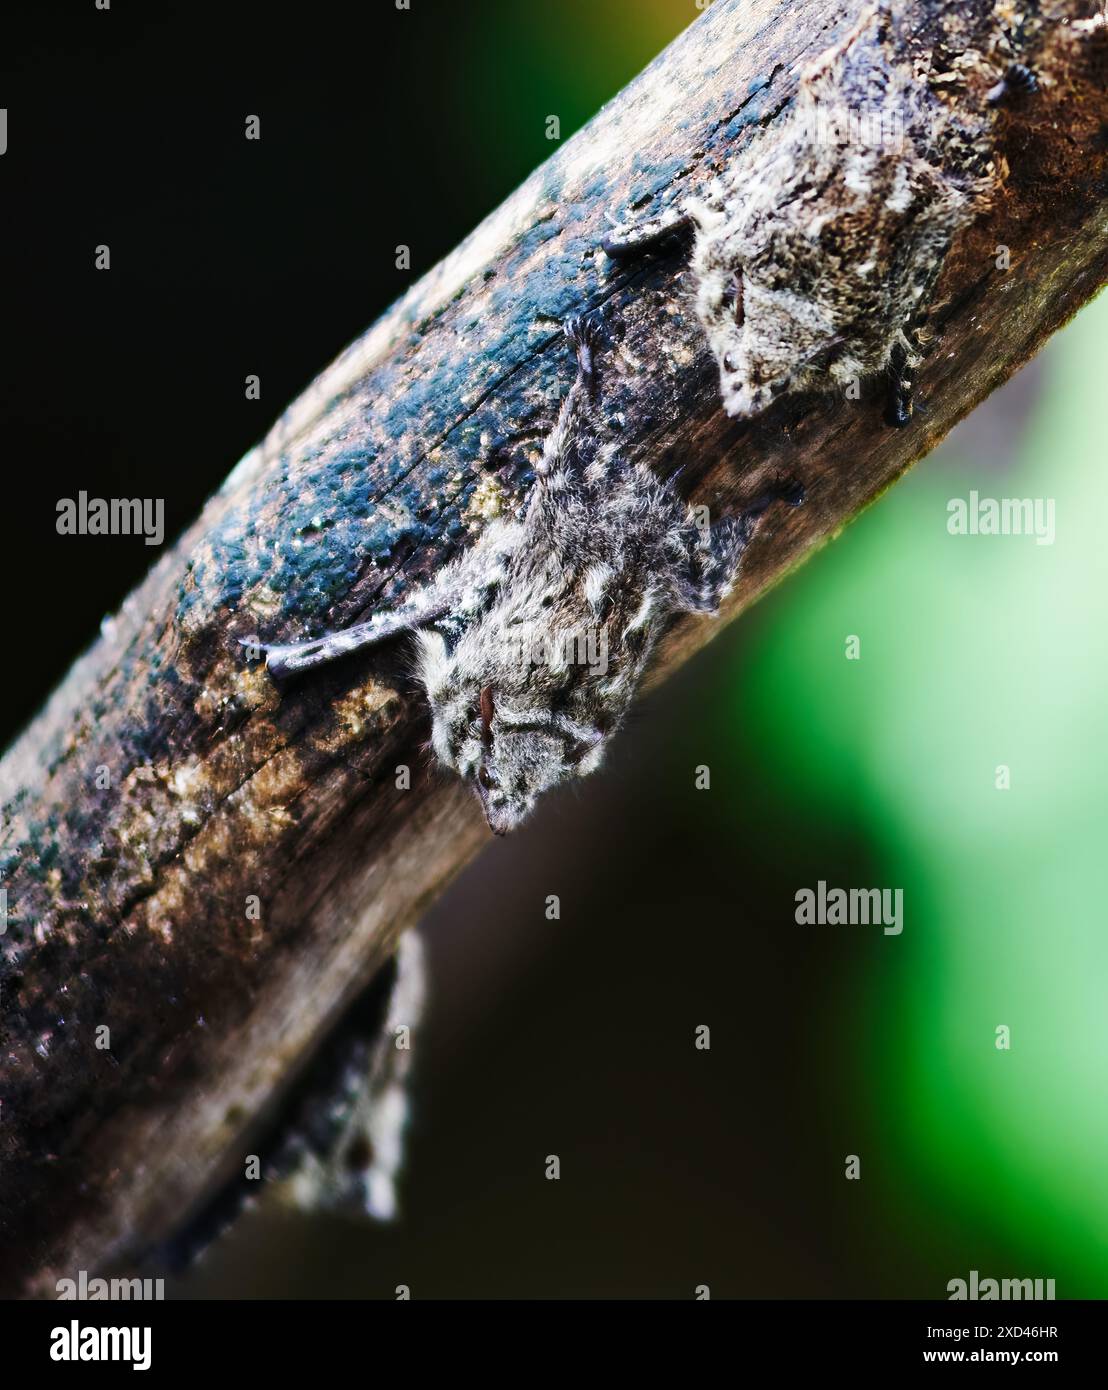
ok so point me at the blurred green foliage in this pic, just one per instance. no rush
(976, 652)
(567, 64)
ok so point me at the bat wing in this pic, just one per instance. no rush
(285, 661)
(453, 600)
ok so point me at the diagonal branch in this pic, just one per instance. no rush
(166, 782)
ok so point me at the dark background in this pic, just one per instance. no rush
(230, 257)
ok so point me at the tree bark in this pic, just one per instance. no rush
(167, 782)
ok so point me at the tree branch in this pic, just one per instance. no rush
(166, 781)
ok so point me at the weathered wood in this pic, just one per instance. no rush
(127, 902)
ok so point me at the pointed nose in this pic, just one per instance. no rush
(495, 818)
(494, 815)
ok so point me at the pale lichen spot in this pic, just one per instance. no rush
(186, 779)
(253, 686)
(397, 513)
(682, 355)
(634, 363)
(354, 715)
(485, 504)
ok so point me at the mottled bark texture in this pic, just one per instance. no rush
(127, 901)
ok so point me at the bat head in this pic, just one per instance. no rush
(509, 747)
(768, 339)
(766, 342)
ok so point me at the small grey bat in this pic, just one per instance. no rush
(532, 643)
(346, 1147)
(816, 252)
(336, 1139)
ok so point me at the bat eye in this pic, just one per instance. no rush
(485, 778)
(729, 363)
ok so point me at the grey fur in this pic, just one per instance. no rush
(815, 254)
(532, 644)
(349, 1150)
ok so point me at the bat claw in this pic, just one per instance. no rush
(586, 333)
